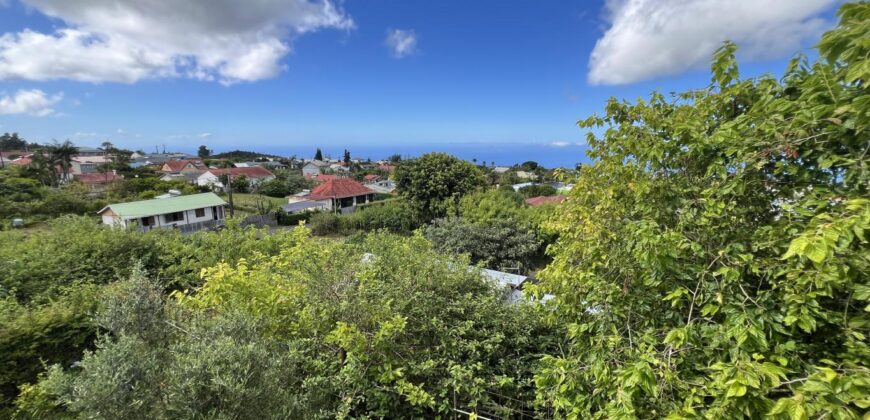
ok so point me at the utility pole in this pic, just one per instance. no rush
(230, 191)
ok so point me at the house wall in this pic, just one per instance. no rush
(310, 169)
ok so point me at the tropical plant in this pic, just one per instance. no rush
(434, 183)
(713, 260)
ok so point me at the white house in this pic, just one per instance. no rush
(187, 213)
(256, 175)
(313, 168)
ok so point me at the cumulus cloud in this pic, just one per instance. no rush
(30, 102)
(130, 40)
(560, 143)
(651, 38)
(402, 42)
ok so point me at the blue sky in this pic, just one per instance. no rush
(497, 73)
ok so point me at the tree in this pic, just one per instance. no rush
(284, 184)
(12, 142)
(712, 260)
(289, 336)
(490, 205)
(434, 183)
(395, 158)
(529, 165)
(318, 155)
(203, 152)
(502, 244)
(346, 158)
(60, 155)
(537, 190)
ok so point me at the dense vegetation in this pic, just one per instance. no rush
(712, 261)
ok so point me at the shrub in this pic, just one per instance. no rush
(537, 191)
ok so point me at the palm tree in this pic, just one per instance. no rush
(63, 154)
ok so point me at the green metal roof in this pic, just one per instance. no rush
(156, 206)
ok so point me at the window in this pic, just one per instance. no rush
(199, 212)
(174, 217)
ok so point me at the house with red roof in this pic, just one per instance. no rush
(182, 166)
(541, 200)
(256, 175)
(319, 179)
(341, 194)
(371, 178)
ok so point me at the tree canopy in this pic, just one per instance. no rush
(435, 182)
(713, 260)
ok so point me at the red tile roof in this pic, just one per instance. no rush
(325, 177)
(537, 201)
(24, 160)
(177, 165)
(338, 188)
(97, 178)
(387, 168)
(371, 177)
(250, 172)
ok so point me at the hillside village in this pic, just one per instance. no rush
(710, 259)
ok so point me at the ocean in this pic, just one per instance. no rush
(502, 154)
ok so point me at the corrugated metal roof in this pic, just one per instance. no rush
(157, 206)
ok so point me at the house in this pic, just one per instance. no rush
(526, 175)
(22, 161)
(273, 164)
(256, 175)
(384, 186)
(313, 168)
(176, 166)
(187, 213)
(341, 194)
(541, 200)
(305, 206)
(87, 164)
(97, 182)
(371, 178)
(522, 185)
(338, 167)
(387, 168)
(189, 177)
(500, 169)
(85, 151)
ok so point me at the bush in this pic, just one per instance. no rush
(325, 223)
(394, 216)
(286, 219)
(503, 244)
(537, 191)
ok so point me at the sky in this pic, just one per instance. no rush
(501, 80)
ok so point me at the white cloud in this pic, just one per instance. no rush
(130, 40)
(560, 144)
(402, 42)
(31, 102)
(205, 135)
(651, 38)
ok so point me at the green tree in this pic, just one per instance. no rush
(434, 183)
(713, 259)
(318, 155)
(346, 157)
(290, 337)
(203, 152)
(490, 205)
(502, 244)
(537, 191)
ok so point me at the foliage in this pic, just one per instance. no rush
(290, 336)
(394, 216)
(203, 152)
(537, 190)
(284, 184)
(434, 183)
(713, 261)
(502, 244)
(12, 142)
(242, 155)
(489, 205)
(318, 155)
